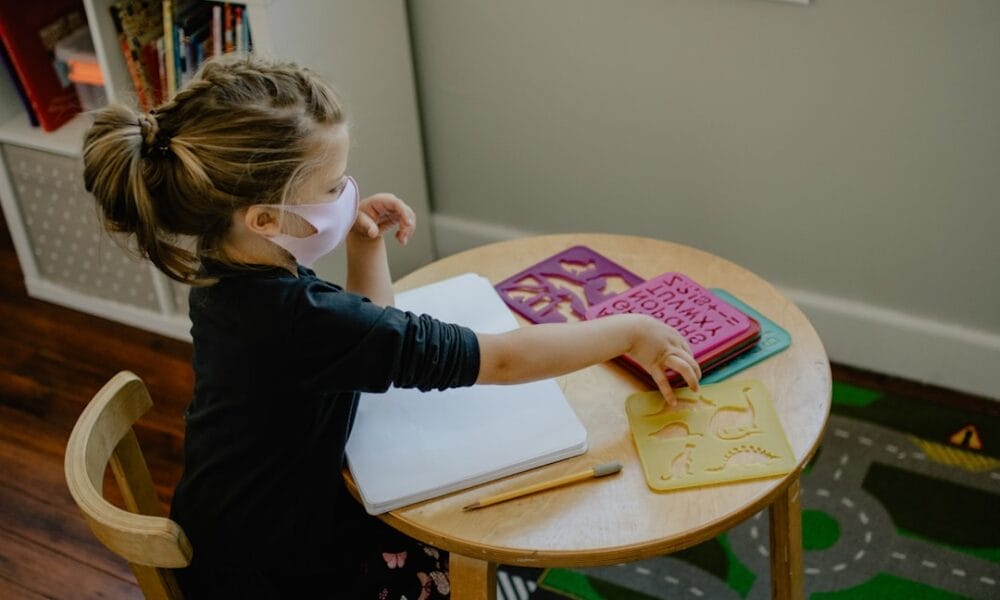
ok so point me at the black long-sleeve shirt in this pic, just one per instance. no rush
(279, 363)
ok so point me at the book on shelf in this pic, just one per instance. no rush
(715, 330)
(186, 19)
(164, 42)
(193, 32)
(237, 29)
(228, 28)
(169, 49)
(138, 24)
(216, 29)
(407, 446)
(29, 32)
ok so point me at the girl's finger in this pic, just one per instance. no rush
(365, 225)
(689, 358)
(661, 382)
(406, 228)
(685, 370)
(405, 219)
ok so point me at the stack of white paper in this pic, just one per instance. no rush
(408, 446)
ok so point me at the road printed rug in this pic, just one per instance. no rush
(902, 500)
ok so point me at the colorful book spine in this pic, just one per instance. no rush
(247, 45)
(135, 74)
(228, 44)
(151, 67)
(238, 34)
(130, 63)
(169, 49)
(216, 30)
(142, 23)
(192, 21)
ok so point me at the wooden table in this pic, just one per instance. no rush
(619, 519)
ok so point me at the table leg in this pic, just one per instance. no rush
(471, 578)
(786, 544)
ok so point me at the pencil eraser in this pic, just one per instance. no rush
(607, 469)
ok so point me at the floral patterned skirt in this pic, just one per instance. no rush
(398, 567)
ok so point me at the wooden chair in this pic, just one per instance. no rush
(151, 543)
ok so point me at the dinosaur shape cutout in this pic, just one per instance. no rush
(734, 423)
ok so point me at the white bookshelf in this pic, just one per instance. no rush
(361, 46)
(64, 141)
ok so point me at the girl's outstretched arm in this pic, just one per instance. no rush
(549, 350)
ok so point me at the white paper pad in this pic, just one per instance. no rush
(407, 446)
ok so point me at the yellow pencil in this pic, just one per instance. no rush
(595, 471)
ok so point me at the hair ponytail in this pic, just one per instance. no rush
(115, 149)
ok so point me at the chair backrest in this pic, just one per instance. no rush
(151, 543)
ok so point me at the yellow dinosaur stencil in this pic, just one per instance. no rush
(729, 431)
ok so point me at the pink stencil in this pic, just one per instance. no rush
(577, 276)
(705, 320)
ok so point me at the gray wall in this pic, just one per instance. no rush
(848, 151)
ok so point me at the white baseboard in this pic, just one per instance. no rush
(896, 343)
(862, 335)
(173, 326)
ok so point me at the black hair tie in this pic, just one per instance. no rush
(153, 139)
(162, 143)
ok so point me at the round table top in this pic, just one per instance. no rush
(619, 518)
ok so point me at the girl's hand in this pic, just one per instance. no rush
(660, 347)
(380, 213)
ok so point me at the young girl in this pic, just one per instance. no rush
(249, 162)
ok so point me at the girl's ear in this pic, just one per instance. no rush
(262, 219)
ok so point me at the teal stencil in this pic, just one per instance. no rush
(773, 339)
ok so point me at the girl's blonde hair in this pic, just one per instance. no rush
(237, 135)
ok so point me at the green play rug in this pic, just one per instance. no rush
(902, 500)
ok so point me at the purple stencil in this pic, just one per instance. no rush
(537, 292)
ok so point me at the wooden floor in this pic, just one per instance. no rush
(52, 360)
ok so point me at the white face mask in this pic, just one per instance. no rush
(332, 221)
